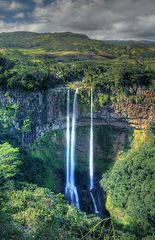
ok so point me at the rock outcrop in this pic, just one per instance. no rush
(47, 111)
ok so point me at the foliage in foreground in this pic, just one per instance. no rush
(30, 212)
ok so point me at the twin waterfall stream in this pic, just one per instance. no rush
(71, 192)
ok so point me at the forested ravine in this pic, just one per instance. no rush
(39, 121)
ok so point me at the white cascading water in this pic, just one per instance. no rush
(71, 190)
(91, 159)
(68, 145)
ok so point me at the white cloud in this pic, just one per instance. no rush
(12, 5)
(15, 6)
(19, 15)
(11, 27)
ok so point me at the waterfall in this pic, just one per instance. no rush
(74, 194)
(91, 160)
(94, 203)
(68, 142)
(71, 190)
(91, 163)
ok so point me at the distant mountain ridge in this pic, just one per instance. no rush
(48, 41)
(58, 41)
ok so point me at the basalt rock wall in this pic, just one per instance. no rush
(47, 111)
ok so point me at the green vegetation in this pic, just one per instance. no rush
(40, 61)
(8, 115)
(28, 211)
(8, 162)
(55, 42)
(20, 71)
(50, 150)
(31, 212)
(133, 76)
(25, 75)
(76, 42)
(130, 188)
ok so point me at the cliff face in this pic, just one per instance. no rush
(47, 111)
(113, 124)
(138, 115)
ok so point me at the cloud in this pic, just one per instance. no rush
(15, 6)
(38, 2)
(101, 19)
(19, 15)
(3, 4)
(97, 18)
(11, 27)
(12, 5)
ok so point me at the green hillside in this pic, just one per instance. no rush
(49, 41)
(67, 41)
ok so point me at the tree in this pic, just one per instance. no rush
(133, 76)
(9, 161)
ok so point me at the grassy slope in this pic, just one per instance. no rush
(67, 41)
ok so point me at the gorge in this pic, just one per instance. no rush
(49, 123)
(113, 123)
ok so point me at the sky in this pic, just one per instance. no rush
(98, 19)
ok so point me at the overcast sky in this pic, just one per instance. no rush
(100, 19)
